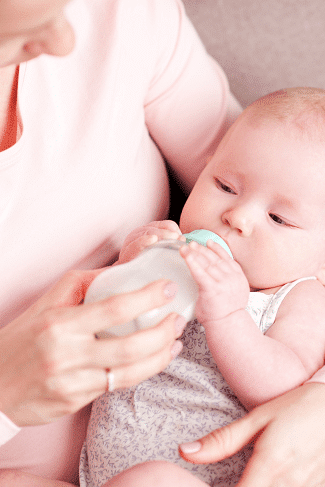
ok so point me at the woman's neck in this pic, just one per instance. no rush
(8, 106)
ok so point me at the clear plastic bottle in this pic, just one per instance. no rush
(161, 260)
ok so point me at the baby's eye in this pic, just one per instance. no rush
(277, 219)
(224, 187)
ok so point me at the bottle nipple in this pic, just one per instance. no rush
(202, 236)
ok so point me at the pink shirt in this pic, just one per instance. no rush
(87, 170)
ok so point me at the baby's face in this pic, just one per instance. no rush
(263, 192)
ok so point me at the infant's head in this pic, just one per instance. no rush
(263, 191)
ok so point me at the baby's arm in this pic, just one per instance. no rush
(257, 367)
(142, 237)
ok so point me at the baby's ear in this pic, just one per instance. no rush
(321, 275)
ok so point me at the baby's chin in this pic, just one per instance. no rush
(258, 284)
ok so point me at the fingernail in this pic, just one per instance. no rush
(193, 244)
(176, 349)
(191, 447)
(170, 290)
(184, 250)
(180, 324)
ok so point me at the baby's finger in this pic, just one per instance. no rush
(153, 228)
(169, 225)
(202, 254)
(165, 229)
(135, 247)
(200, 269)
(212, 249)
(218, 250)
(220, 262)
(190, 254)
(139, 244)
(162, 234)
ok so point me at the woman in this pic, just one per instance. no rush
(80, 167)
(84, 139)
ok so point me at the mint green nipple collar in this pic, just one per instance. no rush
(202, 236)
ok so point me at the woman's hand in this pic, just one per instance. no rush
(147, 235)
(51, 364)
(290, 445)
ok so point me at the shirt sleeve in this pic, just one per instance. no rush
(188, 100)
(8, 429)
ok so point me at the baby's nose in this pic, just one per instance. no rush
(239, 219)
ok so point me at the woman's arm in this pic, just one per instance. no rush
(290, 445)
(189, 90)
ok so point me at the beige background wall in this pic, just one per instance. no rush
(263, 45)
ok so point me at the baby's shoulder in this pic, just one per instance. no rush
(306, 296)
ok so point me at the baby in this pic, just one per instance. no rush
(260, 327)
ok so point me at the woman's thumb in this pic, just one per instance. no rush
(223, 442)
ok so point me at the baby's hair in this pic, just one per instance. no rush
(302, 108)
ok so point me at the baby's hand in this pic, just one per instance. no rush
(223, 287)
(147, 235)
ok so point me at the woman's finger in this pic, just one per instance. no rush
(94, 317)
(218, 250)
(138, 363)
(223, 442)
(127, 350)
(128, 376)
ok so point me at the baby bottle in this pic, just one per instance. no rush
(161, 260)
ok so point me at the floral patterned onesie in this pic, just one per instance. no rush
(187, 400)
